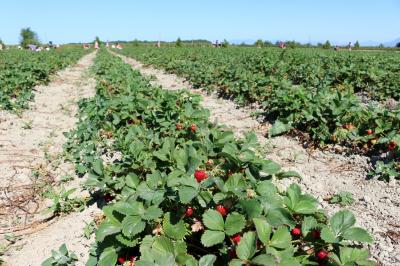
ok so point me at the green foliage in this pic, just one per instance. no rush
(28, 37)
(62, 202)
(326, 45)
(178, 43)
(20, 71)
(62, 257)
(304, 89)
(153, 183)
(357, 45)
(343, 198)
(259, 43)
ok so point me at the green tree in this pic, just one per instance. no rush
(357, 45)
(327, 45)
(28, 36)
(178, 42)
(259, 43)
(225, 44)
(97, 39)
(135, 42)
(398, 45)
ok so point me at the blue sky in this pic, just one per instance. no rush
(339, 21)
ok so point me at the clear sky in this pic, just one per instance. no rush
(301, 20)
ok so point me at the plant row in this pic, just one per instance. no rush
(310, 90)
(21, 70)
(179, 190)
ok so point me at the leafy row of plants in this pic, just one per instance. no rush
(313, 91)
(21, 70)
(183, 191)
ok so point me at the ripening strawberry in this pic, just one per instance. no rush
(236, 238)
(316, 234)
(121, 260)
(370, 132)
(222, 210)
(193, 127)
(296, 231)
(210, 162)
(200, 175)
(322, 254)
(179, 126)
(392, 145)
(189, 211)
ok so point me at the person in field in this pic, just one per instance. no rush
(349, 46)
(96, 45)
(158, 44)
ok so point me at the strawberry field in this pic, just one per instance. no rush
(342, 98)
(21, 70)
(142, 174)
(180, 190)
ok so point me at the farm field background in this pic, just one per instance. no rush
(265, 134)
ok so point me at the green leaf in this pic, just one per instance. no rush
(349, 256)
(357, 234)
(265, 260)
(281, 238)
(263, 229)
(132, 225)
(288, 174)
(108, 257)
(341, 221)
(251, 207)
(290, 262)
(98, 167)
(328, 235)
(152, 213)
(278, 128)
(308, 224)
(234, 223)
(107, 228)
(236, 262)
(211, 238)
(247, 246)
(173, 226)
(186, 194)
(266, 188)
(162, 246)
(207, 260)
(213, 220)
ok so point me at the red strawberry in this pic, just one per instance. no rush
(222, 210)
(200, 175)
(392, 145)
(316, 234)
(296, 231)
(370, 132)
(121, 260)
(193, 127)
(189, 211)
(236, 238)
(179, 126)
(322, 254)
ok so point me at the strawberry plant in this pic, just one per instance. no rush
(309, 90)
(192, 197)
(20, 71)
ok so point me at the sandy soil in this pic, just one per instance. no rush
(377, 206)
(30, 158)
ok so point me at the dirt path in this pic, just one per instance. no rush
(30, 158)
(377, 206)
